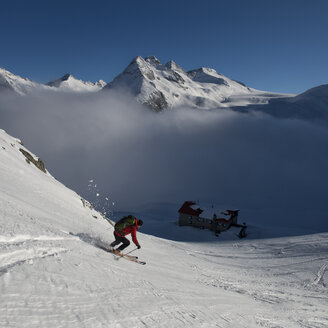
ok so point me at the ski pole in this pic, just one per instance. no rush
(117, 258)
(131, 251)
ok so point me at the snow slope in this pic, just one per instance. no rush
(311, 105)
(167, 86)
(67, 83)
(51, 274)
(9, 81)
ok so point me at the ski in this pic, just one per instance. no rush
(128, 257)
(121, 255)
(106, 248)
(135, 260)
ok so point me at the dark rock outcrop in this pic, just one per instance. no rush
(156, 101)
(29, 158)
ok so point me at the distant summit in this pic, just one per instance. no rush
(161, 86)
(17, 84)
(156, 86)
(169, 86)
(69, 83)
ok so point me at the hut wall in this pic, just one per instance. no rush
(186, 219)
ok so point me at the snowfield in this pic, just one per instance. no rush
(51, 274)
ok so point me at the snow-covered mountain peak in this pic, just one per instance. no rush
(22, 86)
(57, 83)
(4, 72)
(69, 83)
(174, 67)
(67, 77)
(141, 62)
(207, 75)
(168, 86)
(101, 83)
(4, 77)
(138, 60)
(139, 68)
(136, 63)
(153, 60)
(156, 85)
(206, 70)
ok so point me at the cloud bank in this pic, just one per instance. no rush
(271, 169)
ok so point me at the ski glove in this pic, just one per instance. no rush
(138, 246)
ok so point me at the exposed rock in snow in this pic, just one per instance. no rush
(100, 84)
(30, 159)
(156, 101)
(207, 75)
(174, 67)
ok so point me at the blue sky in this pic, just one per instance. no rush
(270, 45)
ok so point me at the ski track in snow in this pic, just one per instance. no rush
(23, 238)
(320, 274)
(10, 259)
(276, 277)
(20, 249)
(135, 299)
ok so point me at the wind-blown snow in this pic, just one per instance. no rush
(52, 276)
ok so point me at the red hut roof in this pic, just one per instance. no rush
(210, 212)
(187, 209)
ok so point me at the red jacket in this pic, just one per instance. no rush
(132, 229)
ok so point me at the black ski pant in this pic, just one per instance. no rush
(118, 240)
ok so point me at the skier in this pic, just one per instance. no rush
(126, 225)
